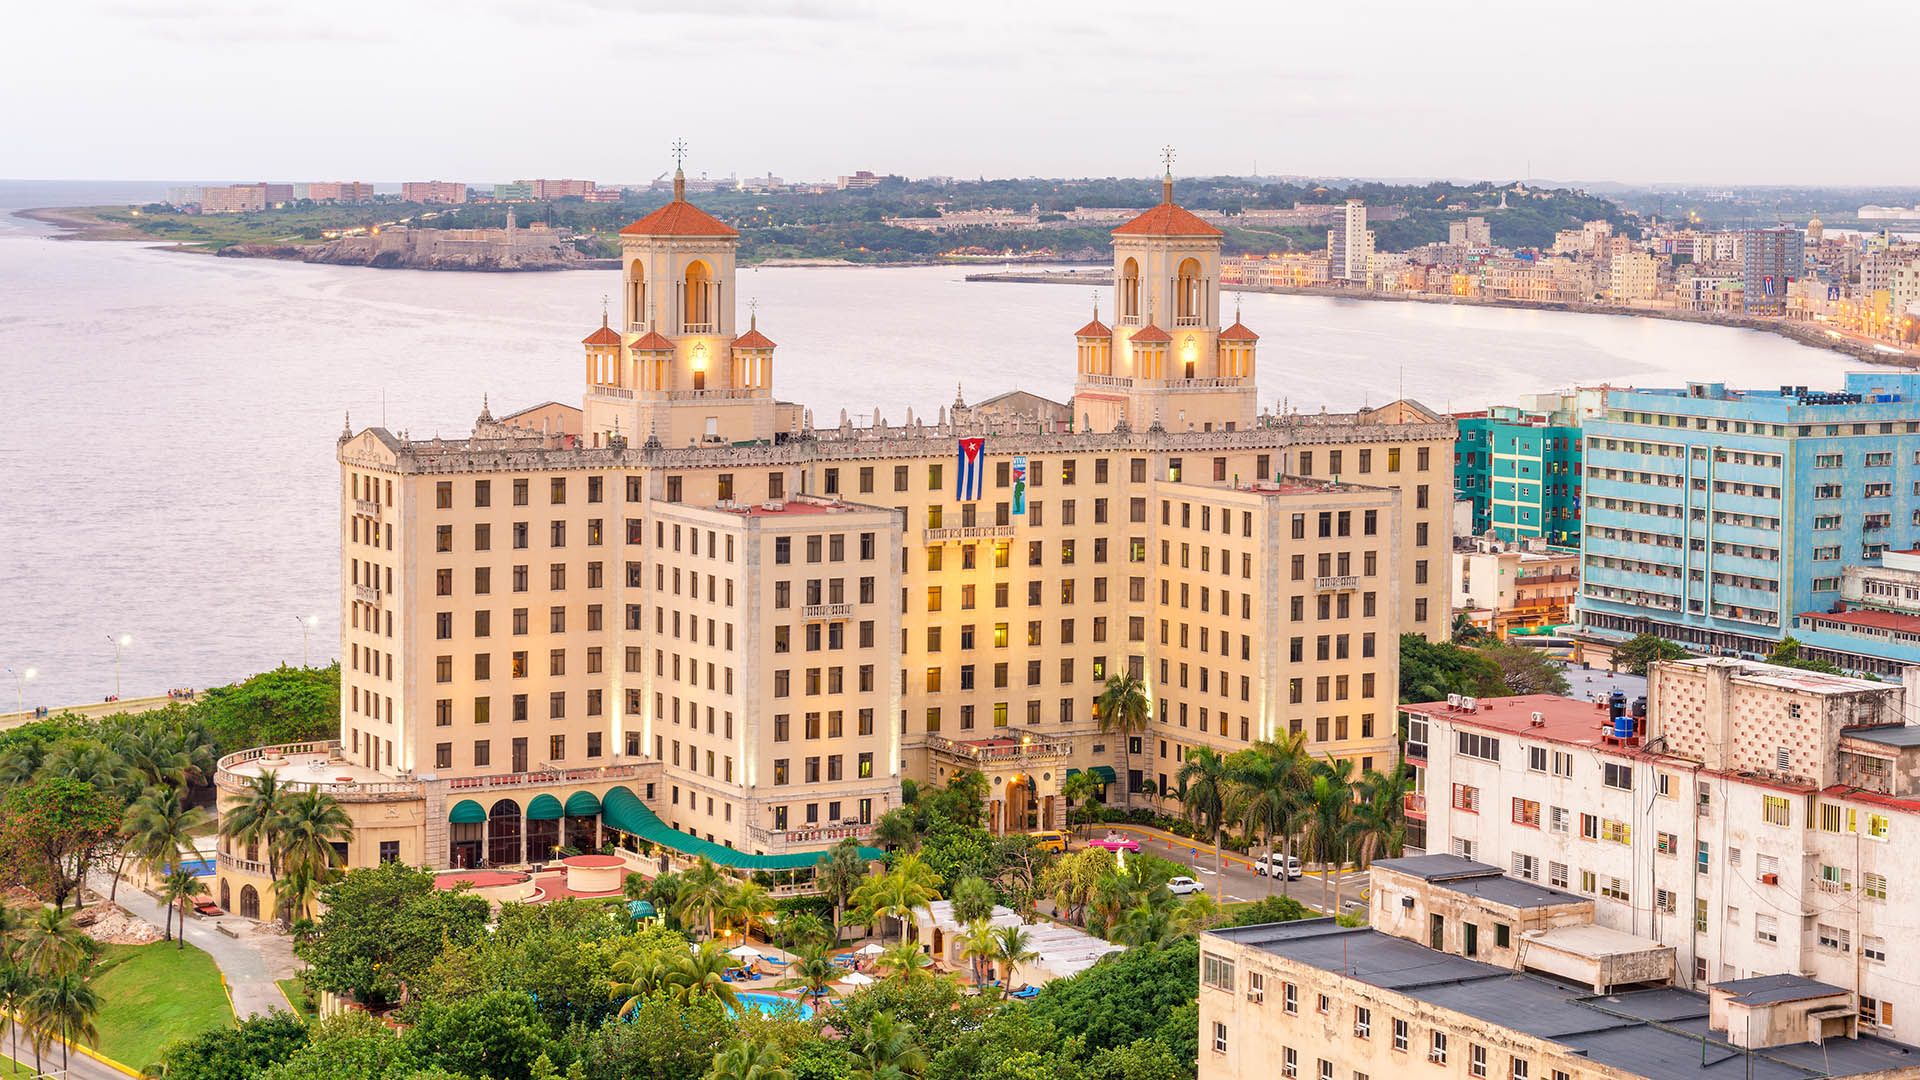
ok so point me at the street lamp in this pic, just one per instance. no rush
(306, 630)
(119, 643)
(20, 684)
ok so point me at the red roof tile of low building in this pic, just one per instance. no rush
(753, 339)
(1151, 335)
(1167, 219)
(1094, 329)
(1238, 332)
(1871, 798)
(1876, 620)
(606, 335)
(1564, 720)
(654, 341)
(679, 218)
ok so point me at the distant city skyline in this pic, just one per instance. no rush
(810, 89)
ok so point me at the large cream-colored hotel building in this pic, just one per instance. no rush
(684, 611)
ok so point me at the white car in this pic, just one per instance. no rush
(1275, 864)
(1182, 886)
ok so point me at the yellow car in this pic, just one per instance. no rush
(1051, 840)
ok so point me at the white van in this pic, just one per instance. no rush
(1271, 865)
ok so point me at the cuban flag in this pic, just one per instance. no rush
(967, 478)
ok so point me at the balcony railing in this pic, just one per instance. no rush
(1336, 583)
(1414, 803)
(370, 507)
(341, 789)
(967, 532)
(366, 594)
(1190, 320)
(718, 393)
(825, 834)
(827, 611)
(621, 392)
(1029, 748)
(240, 865)
(549, 776)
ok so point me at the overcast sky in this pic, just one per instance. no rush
(1708, 91)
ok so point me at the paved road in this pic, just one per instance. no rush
(79, 1066)
(251, 963)
(1237, 883)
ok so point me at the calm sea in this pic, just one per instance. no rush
(169, 472)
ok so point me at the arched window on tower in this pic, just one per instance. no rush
(698, 302)
(636, 294)
(1129, 289)
(1192, 295)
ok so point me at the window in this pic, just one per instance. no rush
(1873, 885)
(1467, 798)
(1526, 812)
(1833, 938)
(1775, 810)
(1476, 1060)
(1289, 999)
(1219, 1037)
(1437, 1050)
(1216, 971)
(1362, 1022)
(1474, 745)
(1617, 776)
(1400, 1035)
(1766, 929)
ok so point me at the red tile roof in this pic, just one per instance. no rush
(679, 218)
(1871, 798)
(654, 341)
(1238, 332)
(1151, 335)
(1094, 329)
(1563, 720)
(606, 335)
(1167, 219)
(1875, 620)
(753, 339)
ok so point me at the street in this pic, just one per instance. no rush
(1238, 883)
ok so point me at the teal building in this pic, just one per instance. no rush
(1520, 471)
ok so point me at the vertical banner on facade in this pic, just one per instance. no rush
(1020, 484)
(966, 479)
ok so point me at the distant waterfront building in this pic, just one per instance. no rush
(860, 181)
(1871, 212)
(1714, 516)
(1349, 243)
(1504, 587)
(184, 196)
(1771, 259)
(1520, 468)
(337, 191)
(1471, 232)
(433, 191)
(563, 189)
(516, 191)
(1633, 278)
(233, 199)
(1876, 619)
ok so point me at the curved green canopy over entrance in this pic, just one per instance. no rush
(544, 808)
(467, 812)
(583, 804)
(624, 811)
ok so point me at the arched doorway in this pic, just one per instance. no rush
(697, 302)
(1129, 289)
(466, 834)
(249, 902)
(1191, 297)
(503, 833)
(226, 895)
(583, 821)
(543, 827)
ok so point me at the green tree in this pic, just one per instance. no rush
(1203, 779)
(352, 1044)
(816, 971)
(898, 829)
(254, 817)
(285, 705)
(237, 1053)
(664, 1039)
(910, 884)
(755, 1060)
(886, 1049)
(1787, 654)
(179, 889)
(973, 899)
(51, 832)
(838, 873)
(904, 961)
(1429, 671)
(1638, 653)
(1267, 794)
(1269, 910)
(1123, 712)
(1378, 825)
(1525, 670)
(382, 929)
(1082, 791)
(1329, 813)
(702, 895)
(496, 1034)
(747, 909)
(310, 824)
(1012, 946)
(63, 1006)
(52, 946)
(978, 946)
(1140, 993)
(158, 828)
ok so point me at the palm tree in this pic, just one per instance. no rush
(1203, 780)
(973, 899)
(1195, 912)
(637, 977)
(1269, 781)
(1124, 711)
(702, 895)
(746, 909)
(158, 828)
(898, 830)
(254, 818)
(909, 886)
(1329, 807)
(904, 961)
(803, 930)
(755, 1060)
(977, 946)
(886, 1050)
(817, 970)
(309, 825)
(1012, 946)
(838, 873)
(1379, 824)
(181, 887)
(1080, 790)
(15, 981)
(702, 973)
(63, 1005)
(156, 757)
(51, 945)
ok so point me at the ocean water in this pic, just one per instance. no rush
(167, 470)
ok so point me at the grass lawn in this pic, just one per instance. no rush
(153, 994)
(296, 994)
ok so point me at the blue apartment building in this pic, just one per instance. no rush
(1716, 518)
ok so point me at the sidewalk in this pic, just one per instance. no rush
(250, 963)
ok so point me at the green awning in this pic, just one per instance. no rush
(624, 811)
(467, 812)
(640, 909)
(582, 804)
(544, 808)
(1105, 773)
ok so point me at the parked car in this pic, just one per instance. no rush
(1275, 864)
(1113, 841)
(1052, 840)
(1182, 886)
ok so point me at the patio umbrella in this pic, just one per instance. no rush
(742, 952)
(871, 948)
(855, 978)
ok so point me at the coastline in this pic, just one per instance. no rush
(1809, 334)
(78, 223)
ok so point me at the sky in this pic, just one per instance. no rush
(1712, 92)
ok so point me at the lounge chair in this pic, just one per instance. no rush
(1025, 992)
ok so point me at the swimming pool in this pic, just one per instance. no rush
(197, 867)
(773, 1004)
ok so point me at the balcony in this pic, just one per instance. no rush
(550, 776)
(699, 328)
(720, 393)
(1414, 802)
(825, 835)
(366, 594)
(241, 866)
(369, 507)
(967, 532)
(617, 393)
(1000, 750)
(1189, 320)
(827, 611)
(313, 766)
(1336, 583)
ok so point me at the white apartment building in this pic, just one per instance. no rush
(1752, 819)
